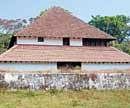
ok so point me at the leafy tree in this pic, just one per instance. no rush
(4, 42)
(10, 26)
(124, 46)
(117, 26)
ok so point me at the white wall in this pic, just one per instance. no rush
(34, 41)
(53, 66)
(75, 42)
(28, 67)
(47, 41)
(96, 67)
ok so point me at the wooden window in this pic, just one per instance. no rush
(40, 39)
(66, 41)
(86, 42)
(98, 43)
(94, 42)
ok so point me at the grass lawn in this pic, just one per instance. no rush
(66, 99)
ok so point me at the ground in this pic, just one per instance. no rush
(65, 99)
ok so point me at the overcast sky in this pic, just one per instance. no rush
(14, 9)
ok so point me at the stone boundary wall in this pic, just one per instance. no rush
(38, 81)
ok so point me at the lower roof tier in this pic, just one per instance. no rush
(36, 53)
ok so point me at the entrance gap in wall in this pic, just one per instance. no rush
(69, 65)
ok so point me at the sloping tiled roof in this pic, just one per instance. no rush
(64, 53)
(56, 22)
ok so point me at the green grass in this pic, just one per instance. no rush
(66, 99)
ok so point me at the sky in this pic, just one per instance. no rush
(84, 9)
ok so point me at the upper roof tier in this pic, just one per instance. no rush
(56, 22)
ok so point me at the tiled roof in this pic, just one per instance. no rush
(64, 53)
(56, 22)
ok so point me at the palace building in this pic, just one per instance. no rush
(58, 40)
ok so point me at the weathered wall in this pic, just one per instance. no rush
(65, 81)
(47, 41)
(34, 41)
(107, 66)
(28, 66)
(53, 66)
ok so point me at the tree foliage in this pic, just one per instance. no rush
(124, 46)
(4, 42)
(117, 26)
(8, 27)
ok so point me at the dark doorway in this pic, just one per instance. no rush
(66, 41)
(69, 65)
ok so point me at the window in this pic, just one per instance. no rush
(40, 39)
(66, 41)
(94, 42)
(86, 42)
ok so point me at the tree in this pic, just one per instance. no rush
(117, 26)
(4, 42)
(10, 26)
(124, 46)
